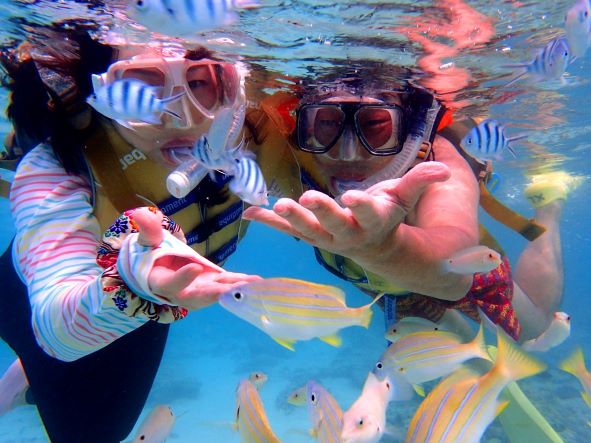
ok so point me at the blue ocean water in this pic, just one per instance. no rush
(211, 351)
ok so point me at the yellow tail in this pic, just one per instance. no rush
(479, 343)
(512, 361)
(575, 364)
(366, 312)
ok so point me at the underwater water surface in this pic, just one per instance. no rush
(209, 352)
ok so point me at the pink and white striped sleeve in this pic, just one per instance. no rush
(55, 252)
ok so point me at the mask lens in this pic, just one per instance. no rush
(319, 127)
(204, 85)
(380, 128)
(151, 76)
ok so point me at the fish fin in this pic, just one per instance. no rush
(480, 344)
(154, 120)
(333, 340)
(313, 432)
(513, 362)
(512, 151)
(247, 4)
(172, 97)
(575, 364)
(501, 407)
(419, 390)
(169, 112)
(586, 398)
(366, 312)
(285, 343)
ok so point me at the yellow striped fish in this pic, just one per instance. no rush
(290, 310)
(575, 365)
(251, 419)
(425, 356)
(325, 413)
(463, 405)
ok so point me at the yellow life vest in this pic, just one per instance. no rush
(124, 178)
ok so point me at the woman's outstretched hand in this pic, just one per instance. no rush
(191, 282)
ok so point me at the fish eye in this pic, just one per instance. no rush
(388, 385)
(313, 399)
(360, 423)
(142, 437)
(140, 4)
(394, 331)
(436, 328)
(568, 318)
(379, 365)
(400, 369)
(237, 296)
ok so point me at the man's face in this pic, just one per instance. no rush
(348, 162)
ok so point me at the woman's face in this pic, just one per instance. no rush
(348, 162)
(200, 85)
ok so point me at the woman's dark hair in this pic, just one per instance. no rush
(49, 78)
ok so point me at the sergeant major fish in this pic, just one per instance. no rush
(248, 182)
(488, 141)
(549, 64)
(131, 99)
(463, 405)
(251, 420)
(577, 24)
(182, 18)
(289, 310)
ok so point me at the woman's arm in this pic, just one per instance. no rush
(55, 252)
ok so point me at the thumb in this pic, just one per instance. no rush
(412, 184)
(150, 226)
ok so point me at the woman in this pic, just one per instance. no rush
(91, 332)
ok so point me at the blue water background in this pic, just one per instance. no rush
(209, 352)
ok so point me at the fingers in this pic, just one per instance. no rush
(165, 281)
(412, 185)
(150, 227)
(327, 213)
(373, 212)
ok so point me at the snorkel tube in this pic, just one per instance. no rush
(425, 112)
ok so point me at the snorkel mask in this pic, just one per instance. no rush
(208, 85)
(383, 128)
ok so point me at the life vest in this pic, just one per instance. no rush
(123, 178)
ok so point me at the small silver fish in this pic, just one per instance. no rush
(577, 24)
(557, 332)
(157, 426)
(472, 260)
(488, 141)
(549, 64)
(180, 18)
(131, 99)
(248, 182)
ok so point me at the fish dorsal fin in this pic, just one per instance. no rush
(333, 340)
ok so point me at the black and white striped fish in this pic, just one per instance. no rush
(248, 182)
(214, 159)
(131, 99)
(549, 64)
(487, 141)
(186, 17)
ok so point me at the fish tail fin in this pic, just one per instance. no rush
(512, 361)
(480, 344)
(172, 98)
(366, 312)
(575, 364)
